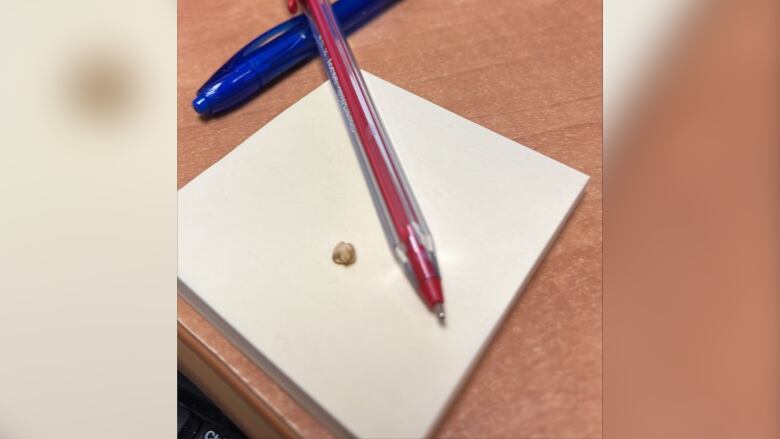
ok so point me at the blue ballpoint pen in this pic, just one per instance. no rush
(271, 54)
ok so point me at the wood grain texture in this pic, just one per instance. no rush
(529, 70)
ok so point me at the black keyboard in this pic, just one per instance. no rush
(198, 418)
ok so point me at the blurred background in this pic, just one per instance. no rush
(87, 229)
(691, 219)
(87, 219)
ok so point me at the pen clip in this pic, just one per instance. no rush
(253, 47)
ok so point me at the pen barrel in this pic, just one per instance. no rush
(401, 217)
(272, 54)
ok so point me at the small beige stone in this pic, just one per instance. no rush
(344, 253)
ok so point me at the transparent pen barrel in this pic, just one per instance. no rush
(398, 209)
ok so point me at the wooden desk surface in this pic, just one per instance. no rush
(529, 70)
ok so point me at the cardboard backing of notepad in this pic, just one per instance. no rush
(355, 345)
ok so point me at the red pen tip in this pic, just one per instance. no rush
(439, 311)
(432, 291)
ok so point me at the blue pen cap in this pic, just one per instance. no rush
(271, 54)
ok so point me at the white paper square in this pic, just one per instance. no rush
(356, 344)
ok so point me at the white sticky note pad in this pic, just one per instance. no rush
(356, 344)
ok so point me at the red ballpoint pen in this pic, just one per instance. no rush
(401, 218)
